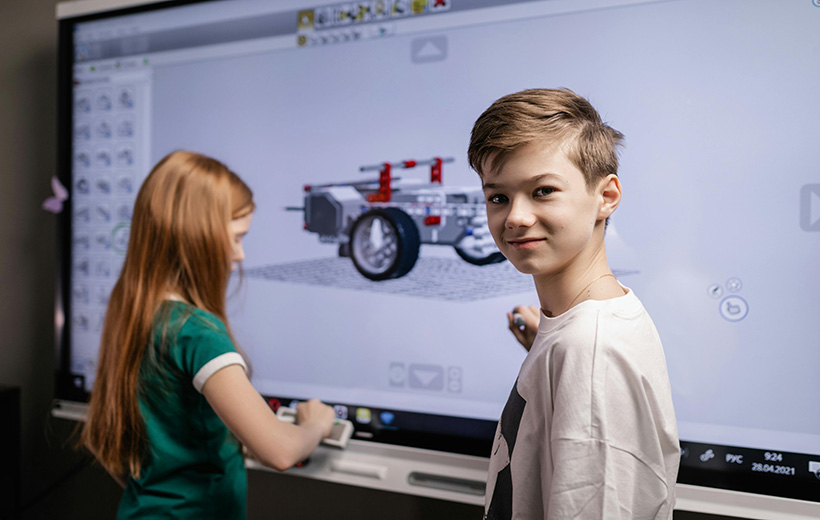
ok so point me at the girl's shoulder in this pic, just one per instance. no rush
(188, 320)
(190, 337)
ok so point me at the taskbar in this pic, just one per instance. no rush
(749, 470)
(451, 434)
(765, 472)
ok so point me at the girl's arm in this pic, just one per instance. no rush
(273, 442)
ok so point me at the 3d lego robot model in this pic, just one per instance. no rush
(380, 223)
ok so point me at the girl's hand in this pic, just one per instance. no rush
(316, 413)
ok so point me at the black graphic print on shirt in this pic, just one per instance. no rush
(501, 504)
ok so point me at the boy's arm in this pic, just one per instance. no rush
(594, 480)
(603, 439)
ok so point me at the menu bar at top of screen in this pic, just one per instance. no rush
(141, 34)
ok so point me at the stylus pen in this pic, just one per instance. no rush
(519, 322)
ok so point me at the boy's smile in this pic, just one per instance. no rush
(525, 243)
(540, 212)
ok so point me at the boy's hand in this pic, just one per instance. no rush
(526, 327)
(315, 412)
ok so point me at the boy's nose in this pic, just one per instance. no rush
(520, 215)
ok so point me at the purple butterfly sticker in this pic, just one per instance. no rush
(54, 204)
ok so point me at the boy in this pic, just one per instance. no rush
(589, 429)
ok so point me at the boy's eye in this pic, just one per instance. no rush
(543, 191)
(497, 199)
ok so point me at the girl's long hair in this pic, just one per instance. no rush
(178, 244)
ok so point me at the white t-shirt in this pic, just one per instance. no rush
(589, 430)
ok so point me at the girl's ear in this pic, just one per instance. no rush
(609, 193)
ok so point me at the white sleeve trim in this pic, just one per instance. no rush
(215, 365)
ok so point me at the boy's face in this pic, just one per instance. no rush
(540, 212)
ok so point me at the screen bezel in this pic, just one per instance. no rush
(459, 440)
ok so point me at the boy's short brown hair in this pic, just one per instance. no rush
(552, 116)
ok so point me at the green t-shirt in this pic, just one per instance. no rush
(193, 467)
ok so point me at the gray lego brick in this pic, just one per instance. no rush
(432, 278)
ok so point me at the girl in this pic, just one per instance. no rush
(172, 404)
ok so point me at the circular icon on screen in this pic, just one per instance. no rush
(340, 410)
(734, 284)
(119, 237)
(454, 385)
(734, 308)
(397, 374)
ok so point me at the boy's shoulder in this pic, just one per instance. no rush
(625, 307)
(594, 326)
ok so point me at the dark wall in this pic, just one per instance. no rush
(27, 245)
(56, 481)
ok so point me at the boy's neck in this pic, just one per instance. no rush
(585, 279)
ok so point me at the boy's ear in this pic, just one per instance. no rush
(609, 192)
